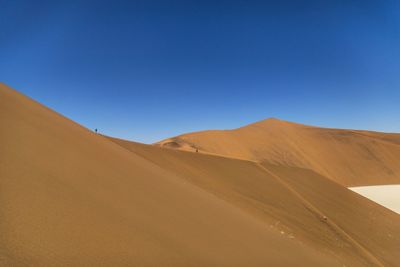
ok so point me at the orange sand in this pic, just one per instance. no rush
(69, 197)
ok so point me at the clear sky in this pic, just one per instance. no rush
(147, 70)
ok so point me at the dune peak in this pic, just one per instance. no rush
(350, 157)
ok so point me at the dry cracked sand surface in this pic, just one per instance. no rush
(269, 194)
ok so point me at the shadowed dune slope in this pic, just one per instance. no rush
(374, 227)
(264, 193)
(69, 197)
(349, 157)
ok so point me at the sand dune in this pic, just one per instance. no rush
(69, 197)
(73, 198)
(350, 157)
(258, 191)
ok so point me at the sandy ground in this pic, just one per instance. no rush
(385, 195)
(70, 197)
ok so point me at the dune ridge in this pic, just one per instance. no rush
(350, 157)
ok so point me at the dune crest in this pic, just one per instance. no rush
(350, 157)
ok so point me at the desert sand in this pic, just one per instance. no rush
(70, 197)
(349, 157)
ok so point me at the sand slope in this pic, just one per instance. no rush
(350, 157)
(266, 192)
(372, 226)
(69, 197)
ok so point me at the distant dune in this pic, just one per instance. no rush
(70, 197)
(349, 157)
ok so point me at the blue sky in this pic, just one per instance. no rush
(147, 70)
